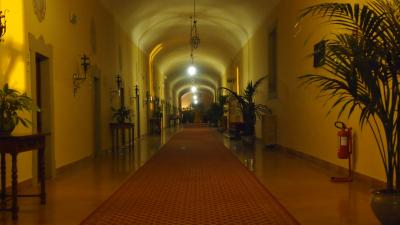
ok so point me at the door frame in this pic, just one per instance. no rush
(38, 46)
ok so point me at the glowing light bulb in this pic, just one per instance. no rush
(192, 70)
(194, 89)
(195, 102)
(195, 97)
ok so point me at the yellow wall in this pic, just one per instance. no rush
(302, 121)
(73, 116)
(13, 66)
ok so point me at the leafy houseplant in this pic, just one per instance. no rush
(121, 115)
(157, 113)
(12, 102)
(214, 113)
(249, 109)
(362, 62)
(222, 100)
(188, 116)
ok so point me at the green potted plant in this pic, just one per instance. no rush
(222, 100)
(214, 114)
(11, 103)
(157, 113)
(362, 68)
(249, 109)
(121, 115)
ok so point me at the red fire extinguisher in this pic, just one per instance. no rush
(345, 150)
(345, 140)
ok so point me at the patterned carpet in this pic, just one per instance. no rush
(194, 179)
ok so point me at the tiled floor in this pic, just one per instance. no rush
(302, 187)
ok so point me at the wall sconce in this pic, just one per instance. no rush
(119, 84)
(149, 98)
(78, 78)
(135, 94)
(118, 90)
(3, 26)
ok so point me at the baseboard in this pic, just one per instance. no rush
(335, 169)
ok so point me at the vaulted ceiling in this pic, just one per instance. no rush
(224, 27)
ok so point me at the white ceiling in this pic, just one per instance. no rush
(224, 27)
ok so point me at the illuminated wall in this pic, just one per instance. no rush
(205, 98)
(73, 28)
(302, 121)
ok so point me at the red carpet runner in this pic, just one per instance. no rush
(194, 179)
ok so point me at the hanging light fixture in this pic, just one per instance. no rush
(192, 70)
(193, 89)
(194, 40)
(194, 35)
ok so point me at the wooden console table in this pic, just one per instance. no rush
(155, 125)
(115, 128)
(14, 145)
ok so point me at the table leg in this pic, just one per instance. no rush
(14, 186)
(123, 137)
(133, 138)
(112, 139)
(117, 140)
(42, 176)
(3, 177)
(130, 139)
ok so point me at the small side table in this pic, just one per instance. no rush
(14, 145)
(155, 125)
(116, 128)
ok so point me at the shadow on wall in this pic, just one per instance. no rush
(10, 55)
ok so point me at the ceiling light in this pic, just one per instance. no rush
(193, 89)
(195, 97)
(194, 39)
(194, 36)
(195, 102)
(192, 70)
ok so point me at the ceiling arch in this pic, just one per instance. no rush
(224, 27)
(185, 91)
(201, 91)
(200, 83)
(202, 74)
(187, 88)
(203, 97)
(178, 58)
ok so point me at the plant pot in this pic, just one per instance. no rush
(386, 207)
(248, 140)
(6, 128)
(5, 133)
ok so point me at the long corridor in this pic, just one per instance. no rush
(194, 179)
(303, 188)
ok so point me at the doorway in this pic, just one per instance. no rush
(42, 94)
(97, 110)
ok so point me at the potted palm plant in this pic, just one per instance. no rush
(11, 103)
(121, 115)
(214, 114)
(362, 68)
(249, 109)
(222, 100)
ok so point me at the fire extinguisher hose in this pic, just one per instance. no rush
(340, 125)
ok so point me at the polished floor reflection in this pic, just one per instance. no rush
(78, 191)
(304, 188)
